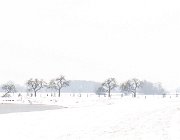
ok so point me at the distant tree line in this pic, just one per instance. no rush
(131, 86)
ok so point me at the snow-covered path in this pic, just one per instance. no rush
(115, 119)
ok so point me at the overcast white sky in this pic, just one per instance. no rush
(90, 40)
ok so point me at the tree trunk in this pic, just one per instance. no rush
(5, 94)
(59, 92)
(35, 93)
(109, 94)
(134, 94)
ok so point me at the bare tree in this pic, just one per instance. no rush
(52, 87)
(101, 91)
(108, 85)
(8, 88)
(124, 87)
(131, 86)
(35, 85)
(58, 83)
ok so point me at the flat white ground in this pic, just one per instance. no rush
(94, 118)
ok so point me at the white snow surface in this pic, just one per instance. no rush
(94, 118)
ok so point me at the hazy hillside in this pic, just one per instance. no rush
(80, 86)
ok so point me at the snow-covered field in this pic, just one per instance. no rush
(92, 118)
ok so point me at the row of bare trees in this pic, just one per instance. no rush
(129, 86)
(56, 85)
(35, 85)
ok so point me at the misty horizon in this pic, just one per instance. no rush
(91, 40)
